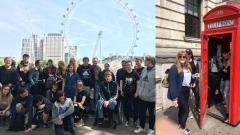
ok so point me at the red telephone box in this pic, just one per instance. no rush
(223, 25)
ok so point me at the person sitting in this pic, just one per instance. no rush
(81, 101)
(108, 96)
(62, 114)
(43, 109)
(21, 111)
(5, 102)
(51, 93)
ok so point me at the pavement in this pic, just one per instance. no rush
(88, 129)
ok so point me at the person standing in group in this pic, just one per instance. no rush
(106, 68)
(9, 75)
(146, 93)
(62, 112)
(36, 79)
(120, 72)
(61, 70)
(128, 86)
(5, 103)
(73, 62)
(138, 65)
(180, 82)
(195, 73)
(86, 73)
(138, 68)
(97, 71)
(69, 82)
(23, 70)
(49, 73)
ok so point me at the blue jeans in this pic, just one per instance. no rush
(96, 96)
(112, 105)
(67, 125)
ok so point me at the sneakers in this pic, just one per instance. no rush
(150, 132)
(186, 131)
(126, 124)
(139, 130)
(28, 130)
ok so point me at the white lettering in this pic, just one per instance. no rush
(220, 24)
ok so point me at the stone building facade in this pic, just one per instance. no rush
(178, 26)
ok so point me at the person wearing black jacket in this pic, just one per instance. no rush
(87, 75)
(195, 71)
(138, 66)
(21, 111)
(108, 96)
(9, 75)
(106, 68)
(23, 70)
(120, 72)
(49, 73)
(43, 109)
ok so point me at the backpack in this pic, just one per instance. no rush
(17, 121)
(165, 81)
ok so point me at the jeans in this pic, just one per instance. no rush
(112, 105)
(225, 86)
(67, 125)
(95, 95)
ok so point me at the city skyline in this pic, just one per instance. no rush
(87, 20)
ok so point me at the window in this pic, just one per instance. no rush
(192, 18)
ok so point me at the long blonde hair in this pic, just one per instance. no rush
(9, 95)
(185, 65)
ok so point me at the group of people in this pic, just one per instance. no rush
(36, 96)
(184, 76)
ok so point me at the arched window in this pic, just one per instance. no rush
(192, 18)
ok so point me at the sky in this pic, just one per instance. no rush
(21, 18)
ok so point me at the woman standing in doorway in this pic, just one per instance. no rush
(180, 82)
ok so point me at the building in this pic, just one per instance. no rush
(53, 47)
(33, 47)
(39, 54)
(178, 26)
(71, 53)
(28, 47)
